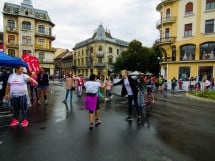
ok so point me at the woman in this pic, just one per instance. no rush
(69, 86)
(33, 86)
(43, 83)
(16, 91)
(91, 99)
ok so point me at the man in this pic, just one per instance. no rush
(43, 83)
(129, 87)
(4, 79)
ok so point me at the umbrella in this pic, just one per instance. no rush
(9, 61)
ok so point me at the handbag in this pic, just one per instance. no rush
(73, 89)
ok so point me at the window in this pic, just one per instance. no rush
(82, 61)
(168, 13)
(91, 50)
(26, 52)
(41, 29)
(174, 53)
(187, 52)
(11, 39)
(117, 51)
(11, 24)
(206, 72)
(42, 42)
(188, 30)
(207, 51)
(41, 55)
(110, 60)
(184, 73)
(26, 40)
(12, 52)
(100, 48)
(167, 35)
(209, 26)
(210, 4)
(189, 8)
(26, 25)
(110, 50)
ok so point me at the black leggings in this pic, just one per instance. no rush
(97, 106)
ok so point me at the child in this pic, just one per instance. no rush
(180, 83)
(108, 85)
(165, 88)
(80, 85)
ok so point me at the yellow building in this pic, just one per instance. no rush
(29, 30)
(187, 38)
(98, 53)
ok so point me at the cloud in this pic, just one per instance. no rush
(76, 19)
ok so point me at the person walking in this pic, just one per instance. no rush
(173, 84)
(70, 86)
(129, 87)
(92, 99)
(80, 85)
(16, 92)
(43, 83)
(108, 85)
(33, 87)
(165, 87)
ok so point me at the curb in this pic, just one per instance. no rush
(199, 98)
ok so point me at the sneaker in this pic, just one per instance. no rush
(106, 99)
(111, 97)
(98, 122)
(45, 102)
(129, 118)
(64, 101)
(14, 122)
(91, 126)
(25, 123)
(139, 120)
(39, 102)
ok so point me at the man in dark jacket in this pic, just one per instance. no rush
(43, 83)
(129, 87)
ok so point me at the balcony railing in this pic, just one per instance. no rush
(100, 65)
(165, 41)
(163, 21)
(12, 30)
(12, 44)
(45, 34)
(43, 48)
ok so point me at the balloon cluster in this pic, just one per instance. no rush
(33, 63)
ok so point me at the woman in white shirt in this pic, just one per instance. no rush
(92, 100)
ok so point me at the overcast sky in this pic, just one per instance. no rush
(76, 20)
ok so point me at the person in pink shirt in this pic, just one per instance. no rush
(108, 85)
(80, 85)
(33, 86)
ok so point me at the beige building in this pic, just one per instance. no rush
(29, 30)
(98, 53)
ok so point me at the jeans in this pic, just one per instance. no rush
(67, 94)
(19, 103)
(130, 99)
(165, 92)
(32, 89)
(108, 93)
(80, 89)
(140, 99)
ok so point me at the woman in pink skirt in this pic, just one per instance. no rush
(92, 100)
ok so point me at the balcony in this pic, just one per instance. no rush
(100, 65)
(43, 48)
(163, 3)
(163, 21)
(46, 61)
(45, 34)
(165, 41)
(12, 45)
(12, 30)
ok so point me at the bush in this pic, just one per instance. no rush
(207, 94)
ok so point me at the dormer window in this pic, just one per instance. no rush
(26, 25)
(26, 13)
(100, 48)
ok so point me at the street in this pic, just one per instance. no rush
(181, 129)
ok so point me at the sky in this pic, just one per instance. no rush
(76, 20)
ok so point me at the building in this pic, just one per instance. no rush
(63, 63)
(1, 42)
(29, 30)
(187, 38)
(98, 53)
(58, 51)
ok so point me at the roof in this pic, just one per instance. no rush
(101, 35)
(26, 10)
(60, 56)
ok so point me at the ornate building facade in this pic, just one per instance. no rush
(187, 38)
(29, 30)
(98, 53)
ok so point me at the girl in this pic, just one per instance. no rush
(108, 85)
(91, 99)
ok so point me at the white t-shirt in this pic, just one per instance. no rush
(207, 83)
(128, 87)
(18, 85)
(92, 87)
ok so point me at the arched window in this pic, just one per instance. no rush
(11, 24)
(210, 4)
(110, 49)
(41, 29)
(189, 8)
(167, 33)
(168, 13)
(26, 25)
(207, 51)
(100, 48)
(187, 52)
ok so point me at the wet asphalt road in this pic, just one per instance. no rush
(180, 130)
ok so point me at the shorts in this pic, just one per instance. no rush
(41, 86)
